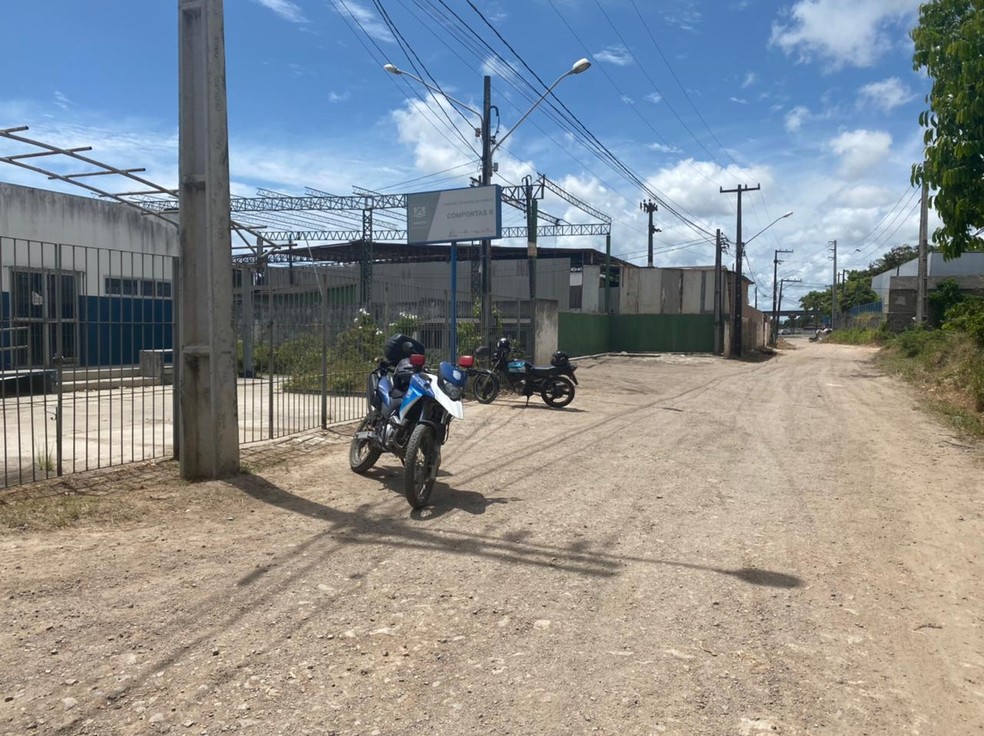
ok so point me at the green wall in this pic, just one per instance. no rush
(587, 334)
(582, 334)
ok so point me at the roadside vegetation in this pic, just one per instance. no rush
(945, 361)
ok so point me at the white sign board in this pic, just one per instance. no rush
(452, 215)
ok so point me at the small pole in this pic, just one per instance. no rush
(454, 302)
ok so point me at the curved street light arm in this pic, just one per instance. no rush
(579, 66)
(781, 217)
(398, 72)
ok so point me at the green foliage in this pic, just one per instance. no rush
(363, 342)
(918, 341)
(261, 357)
(817, 303)
(946, 295)
(470, 332)
(893, 259)
(967, 316)
(351, 356)
(947, 362)
(949, 44)
(857, 336)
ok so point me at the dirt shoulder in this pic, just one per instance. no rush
(694, 546)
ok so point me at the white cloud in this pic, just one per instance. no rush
(286, 9)
(796, 117)
(338, 96)
(738, 100)
(844, 32)
(365, 18)
(662, 148)
(885, 95)
(62, 101)
(654, 97)
(617, 55)
(750, 79)
(860, 150)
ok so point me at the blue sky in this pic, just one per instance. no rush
(816, 101)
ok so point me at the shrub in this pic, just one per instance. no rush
(967, 316)
(943, 298)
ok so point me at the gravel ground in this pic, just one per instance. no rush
(694, 546)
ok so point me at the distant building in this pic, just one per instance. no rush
(897, 287)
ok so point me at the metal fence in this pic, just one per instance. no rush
(863, 316)
(87, 345)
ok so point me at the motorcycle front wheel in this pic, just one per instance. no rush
(420, 465)
(557, 392)
(364, 453)
(485, 387)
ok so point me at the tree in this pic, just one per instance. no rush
(893, 259)
(856, 290)
(949, 43)
(817, 305)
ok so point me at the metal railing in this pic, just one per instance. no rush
(87, 349)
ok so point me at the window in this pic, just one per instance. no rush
(138, 287)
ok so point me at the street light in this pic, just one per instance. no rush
(773, 331)
(739, 300)
(488, 148)
(781, 217)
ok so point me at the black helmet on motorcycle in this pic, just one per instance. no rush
(559, 358)
(503, 344)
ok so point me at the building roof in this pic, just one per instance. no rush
(352, 252)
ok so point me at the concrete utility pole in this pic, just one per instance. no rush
(786, 281)
(739, 297)
(923, 266)
(775, 311)
(531, 222)
(648, 206)
(208, 441)
(486, 245)
(718, 305)
(833, 288)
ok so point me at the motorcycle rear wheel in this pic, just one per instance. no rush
(364, 453)
(420, 465)
(485, 387)
(557, 392)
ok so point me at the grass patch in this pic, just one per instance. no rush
(948, 368)
(59, 512)
(857, 336)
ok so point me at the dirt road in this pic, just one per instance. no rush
(695, 546)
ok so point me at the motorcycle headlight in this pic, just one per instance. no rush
(453, 392)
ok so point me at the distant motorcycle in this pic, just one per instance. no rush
(554, 383)
(409, 415)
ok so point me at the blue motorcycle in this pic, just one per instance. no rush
(409, 415)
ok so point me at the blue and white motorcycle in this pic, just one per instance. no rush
(410, 413)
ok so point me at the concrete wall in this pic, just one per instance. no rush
(969, 264)
(901, 308)
(667, 291)
(510, 279)
(53, 217)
